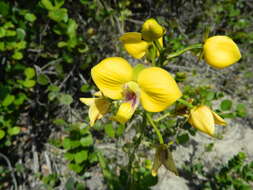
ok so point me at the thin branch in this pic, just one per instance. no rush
(11, 169)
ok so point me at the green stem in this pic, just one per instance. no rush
(185, 103)
(158, 45)
(162, 117)
(175, 54)
(150, 120)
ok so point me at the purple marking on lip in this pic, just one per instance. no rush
(132, 97)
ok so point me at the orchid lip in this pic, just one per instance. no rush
(131, 93)
(131, 97)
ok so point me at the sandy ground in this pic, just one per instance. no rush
(236, 138)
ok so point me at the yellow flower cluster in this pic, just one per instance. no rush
(137, 44)
(152, 87)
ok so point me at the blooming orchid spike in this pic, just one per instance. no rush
(204, 119)
(221, 51)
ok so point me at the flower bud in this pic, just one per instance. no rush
(203, 118)
(221, 51)
(151, 30)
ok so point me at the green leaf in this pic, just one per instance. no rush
(52, 95)
(17, 55)
(120, 130)
(210, 95)
(2, 32)
(58, 3)
(182, 139)
(4, 8)
(47, 4)
(30, 17)
(29, 72)
(67, 143)
(53, 88)
(20, 45)
(20, 33)
(43, 79)
(70, 184)
(14, 130)
(60, 122)
(81, 156)
(2, 134)
(75, 167)
(8, 100)
(20, 98)
(85, 88)
(69, 156)
(72, 27)
(29, 83)
(109, 130)
(228, 115)
(75, 144)
(65, 99)
(61, 44)
(59, 15)
(226, 105)
(93, 157)
(86, 141)
(2, 46)
(241, 110)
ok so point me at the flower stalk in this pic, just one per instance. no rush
(150, 120)
(180, 52)
(185, 103)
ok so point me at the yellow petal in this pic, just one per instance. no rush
(110, 75)
(124, 113)
(201, 117)
(160, 40)
(151, 30)
(221, 51)
(98, 107)
(87, 101)
(158, 89)
(134, 44)
(218, 120)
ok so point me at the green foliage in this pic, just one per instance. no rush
(47, 48)
(140, 178)
(236, 174)
(79, 148)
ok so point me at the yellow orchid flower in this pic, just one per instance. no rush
(221, 51)
(151, 30)
(204, 119)
(153, 87)
(98, 107)
(137, 44)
